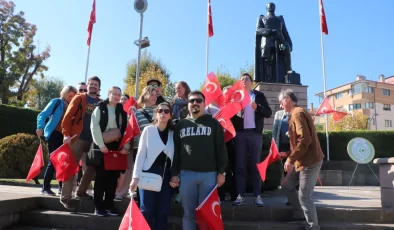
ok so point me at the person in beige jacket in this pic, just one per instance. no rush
(303, 163)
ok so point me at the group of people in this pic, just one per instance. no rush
(181, 149)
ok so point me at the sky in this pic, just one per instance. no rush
(359, 40)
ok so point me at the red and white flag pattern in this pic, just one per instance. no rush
(209, 213)
(272, 157)
(38, 163)
(323, 21)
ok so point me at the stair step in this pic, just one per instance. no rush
(25, 227)
(248, 212)
(82, 221)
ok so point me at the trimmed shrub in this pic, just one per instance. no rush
(17, 120)
(17, 153)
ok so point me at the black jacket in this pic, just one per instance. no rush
(262, 111)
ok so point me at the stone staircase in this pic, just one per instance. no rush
(50, 214)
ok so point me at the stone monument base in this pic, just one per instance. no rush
(271, 92)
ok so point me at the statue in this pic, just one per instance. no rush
(273, 47)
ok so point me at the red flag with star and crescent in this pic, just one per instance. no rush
(234, 100)
(133, 219)
(272, 157)
(325, 107)
(228, 128)
(209, 213)
(210, 23)
(92, 20)
(211, 89)
(132, 130)
(64, 163)
(38, 163)
(323, 21)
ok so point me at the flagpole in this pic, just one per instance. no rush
(324, 83)
(87, 64)
(207, 45)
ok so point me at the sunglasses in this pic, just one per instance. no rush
(198, 100)
(154, 85)
(83, 90)
(166, 111)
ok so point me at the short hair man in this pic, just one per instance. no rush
(82, 87)
(249, 125)
(76, 121)
(157, 85)
(303, 163)
(199, 166)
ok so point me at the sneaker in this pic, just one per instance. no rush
(240, 200)
(113, 212)
(119, 198)
(47, 192)
(295, 220)
(68, 204)
(101, 213)
(83, 196)
(258, 201)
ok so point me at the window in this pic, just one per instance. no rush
(338, 95)
(386, 92)
(369, 105)
(357, 88)
(387, 107)
(354, 106)
(321, 99)
(369, 89)
(388, 123)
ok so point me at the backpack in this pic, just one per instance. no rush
(54, 109)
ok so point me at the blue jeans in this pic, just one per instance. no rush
(155, 206)
(194, 188)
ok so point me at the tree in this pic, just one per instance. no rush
(150, 68)
(224, 78)
(355, 121)
(42, 91)
(19, 61)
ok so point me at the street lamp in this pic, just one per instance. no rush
(140, 6)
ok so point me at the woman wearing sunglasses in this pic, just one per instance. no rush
(154, 156)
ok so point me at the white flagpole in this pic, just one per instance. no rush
(207, 45)
(324, 78)
(87, 61)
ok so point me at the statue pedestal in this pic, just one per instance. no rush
(271, 92)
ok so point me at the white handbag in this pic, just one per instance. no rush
(151, 181)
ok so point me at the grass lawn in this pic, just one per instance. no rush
(23, 181)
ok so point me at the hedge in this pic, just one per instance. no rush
(17, 120)
(17, 153)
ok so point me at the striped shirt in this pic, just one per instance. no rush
(143, 121)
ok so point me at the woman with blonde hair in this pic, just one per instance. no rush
(49, 127)
(144, 116)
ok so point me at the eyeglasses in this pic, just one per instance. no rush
(198, 100)
(154, 85)
(166, 111)
(83, 90)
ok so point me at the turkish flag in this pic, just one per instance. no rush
(133, 219)
(211, 89)
(325, 108)
(229, 131)
(272, 157)
(209, 213)
(210, 24)
(337, 116)
(114, 160)
(129, 103)
(92, 20)
(64, 163)
(38, 162)
(324, 28)
(132, 130)
(235, 99)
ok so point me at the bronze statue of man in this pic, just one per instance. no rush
(273, 47)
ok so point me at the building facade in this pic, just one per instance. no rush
(375, 99)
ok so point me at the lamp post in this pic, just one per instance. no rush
(140, 6)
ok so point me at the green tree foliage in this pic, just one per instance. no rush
(19, 59)
(150, 68)
(42, 91)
